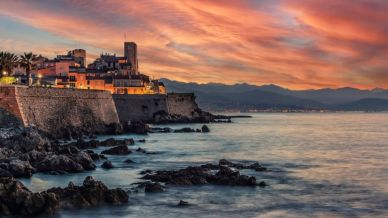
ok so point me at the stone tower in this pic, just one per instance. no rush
(130, 52)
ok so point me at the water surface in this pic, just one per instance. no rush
(322, 165)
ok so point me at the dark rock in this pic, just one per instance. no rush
(262, 184)
(114, 142)
(118, 150)
(183, 203)
(129, 161)
(145, 172)
(141, 150)
(107, 165)
(114, 129)
(255, 166)
(59, 162)
(202, 175)
(160, 130)
(16, 199)
(20, 168)
(141, 140)
(153, 187)
(4, 173)
(184, 130)
(91, 193)
(136, 127)
(85, 160)
(205, 128)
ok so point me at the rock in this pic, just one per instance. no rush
(153, 187)
(160, 130)
(17, 200)
(145, 172)
(107, 165)
(205, 128)
(4, 173)
(141, 140)
(81, 144)
(91, 193)
(262, 184)
(202, 175)
(20, 168)
(255, 166)
(183, 203)
(85, 160)
(59, 162)
(118, 150)
(27, 140)
(68, 150)
(114, 129)
(141, 150)
(129, 161)
(137, 127)
(113, 142)
(184, 130)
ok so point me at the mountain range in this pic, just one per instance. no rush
(247, 97)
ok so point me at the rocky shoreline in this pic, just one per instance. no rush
(26, 151)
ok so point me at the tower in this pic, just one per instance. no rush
(79, 56)
(130, 53)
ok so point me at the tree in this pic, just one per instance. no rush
(26, 61)
(8, 61)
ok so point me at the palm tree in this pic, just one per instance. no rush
(26, 61)
(8, 61)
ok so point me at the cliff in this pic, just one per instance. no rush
(52, 110)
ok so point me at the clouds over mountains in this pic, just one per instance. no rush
(297, 44)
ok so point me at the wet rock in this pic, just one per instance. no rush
(91, 193)
(59, 162)
(255, 166)
(205, 128)
(85, 160)
(129, 161)
(262, 184)
(202, 175)
(4, 173)
(118, 150)
(114, 142)
(143, 172)
(153, 187)
(160, 130)
(16, 199)
(184, 130)
(136, 127)
(27, 139)
(141, 140)
(141, 150)
(107, 165)
(183, 203)
(81, 144)
(20, 168)
(114, 129)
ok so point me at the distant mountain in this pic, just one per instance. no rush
(216, 96)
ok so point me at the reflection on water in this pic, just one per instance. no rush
(322, 165)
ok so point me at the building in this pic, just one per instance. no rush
(130, 53)
(79, 56)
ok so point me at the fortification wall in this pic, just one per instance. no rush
(182, 104)
(139, 107)
(10, 114)
(51, 109)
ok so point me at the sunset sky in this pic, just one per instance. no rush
(293, 43)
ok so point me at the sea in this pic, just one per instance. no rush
(320, 165)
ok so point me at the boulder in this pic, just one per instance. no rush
(183, 203)
(17, 200)
(85, 160)
(205, 129)
(107, 165)
(59, 163)
(91, 193)
(129, 161)
(20, 168)
(118, 150)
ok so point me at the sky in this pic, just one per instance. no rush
(297, 44)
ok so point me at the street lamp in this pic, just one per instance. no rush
(4, 73)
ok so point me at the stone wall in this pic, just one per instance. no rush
(51, 109)
(10, 114)
(139, 107)
(183, 104)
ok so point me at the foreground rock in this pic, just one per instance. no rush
(16, 199)
(118, 150)
(91, 193)
(206, 174)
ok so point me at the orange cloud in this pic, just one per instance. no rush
(297, 44)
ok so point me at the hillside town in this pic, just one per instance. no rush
(116, 74)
